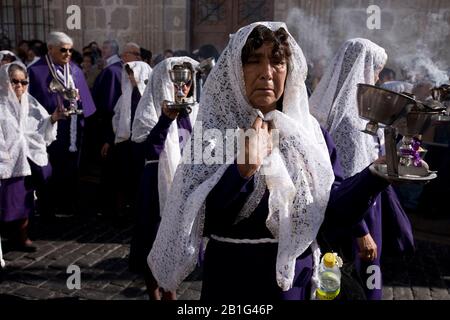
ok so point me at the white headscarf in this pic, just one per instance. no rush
(122, 111)
(26, 129)
(334, 102)
(161, 88)
(299, 188)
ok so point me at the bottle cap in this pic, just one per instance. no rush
(329, 260)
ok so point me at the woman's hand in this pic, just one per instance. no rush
(367, 248)
(60, 113)
(172, 114)
(257, 148)
(105, 150)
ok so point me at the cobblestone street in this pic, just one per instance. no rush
(100, 249)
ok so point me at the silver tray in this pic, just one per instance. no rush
(381, 170)
(187, 106)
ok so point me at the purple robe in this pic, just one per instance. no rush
(106, 91)
(16, 200)
(16, 194)
(389, 226)
(62, 190)
(147, 206)
(228, 267)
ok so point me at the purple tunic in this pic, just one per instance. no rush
(147, 206)
(16, 200)
(106, 91)
(389, 226)
(16, 194)
(227, 267)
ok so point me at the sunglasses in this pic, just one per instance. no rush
(22, 82)
(65, 50)
(188, 83)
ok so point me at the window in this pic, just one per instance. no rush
(23, 20)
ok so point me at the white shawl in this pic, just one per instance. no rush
(334, 102)
(121, 120)
(26, 130)
(299, 183)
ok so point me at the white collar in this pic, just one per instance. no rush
(112, 60)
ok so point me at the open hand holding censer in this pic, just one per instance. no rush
(401, 114)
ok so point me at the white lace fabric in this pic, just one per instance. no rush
(161, 88)
(121, 120)
(334, 102)
(26, 130)
(299, 183)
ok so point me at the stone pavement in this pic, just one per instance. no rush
(100, 249)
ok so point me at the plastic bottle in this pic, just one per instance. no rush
(329, 278)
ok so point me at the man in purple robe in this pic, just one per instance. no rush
(106, 91)
(56, 81)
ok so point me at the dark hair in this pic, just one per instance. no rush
(146, 55)
(91, 56)
(77, 57)
(208, 51)
(15, 67)
(386, 72)
(261, 35)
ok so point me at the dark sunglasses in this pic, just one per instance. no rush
(188, 83)
(22, 82)
(64, 50)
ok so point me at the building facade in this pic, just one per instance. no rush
(320, 26)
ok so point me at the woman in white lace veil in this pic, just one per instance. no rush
(299, 184)
(161, 134)
(334, 102)
(27, 130)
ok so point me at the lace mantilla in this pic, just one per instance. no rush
(26, 130)
(299, 186)
(334, 102)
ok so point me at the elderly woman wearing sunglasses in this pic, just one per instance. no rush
(26, 129)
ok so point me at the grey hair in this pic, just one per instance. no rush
(58, 38)
(133, 44)
(17, 66)
(114, 45)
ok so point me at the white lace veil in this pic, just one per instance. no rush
(26, 127)
(122, 111)
(334, 102)
(160, 88)
(299, 192)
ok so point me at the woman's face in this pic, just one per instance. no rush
(19, 83)
(185, 88)
(264, 78)
(87, 63)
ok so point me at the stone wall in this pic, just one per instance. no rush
(154, 24)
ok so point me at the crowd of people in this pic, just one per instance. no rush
(257, 224)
